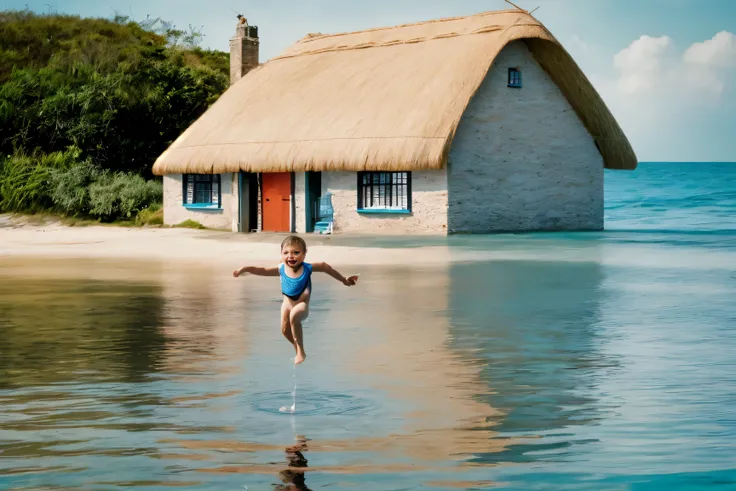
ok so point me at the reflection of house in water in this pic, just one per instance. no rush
(205, 320)
(531, 325)
(388, 337)
(400, 335)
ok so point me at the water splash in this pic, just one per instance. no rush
(292, 409)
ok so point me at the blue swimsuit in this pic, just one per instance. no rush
(294, 287)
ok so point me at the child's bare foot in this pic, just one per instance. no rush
(300, 357)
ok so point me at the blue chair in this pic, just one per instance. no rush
(323, 214)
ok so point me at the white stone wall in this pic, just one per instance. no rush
(225, 218)
(429, 206)
(234, 196)
(521, 159)
(300, 195)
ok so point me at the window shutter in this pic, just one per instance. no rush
(189, 198)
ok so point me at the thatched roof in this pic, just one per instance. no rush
(381, 99)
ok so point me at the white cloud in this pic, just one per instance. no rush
(651, 66)
(665, 97)
(720, 51)
(643, 65)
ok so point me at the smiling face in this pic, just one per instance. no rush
(293, 256)
(293, 252)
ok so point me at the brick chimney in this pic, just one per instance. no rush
(243, 50)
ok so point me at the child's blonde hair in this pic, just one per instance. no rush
(294, 240)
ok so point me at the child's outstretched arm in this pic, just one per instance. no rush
(326, 268)
(258, 271)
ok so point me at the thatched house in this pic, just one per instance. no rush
(469, 124)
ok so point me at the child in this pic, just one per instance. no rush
(296, 286)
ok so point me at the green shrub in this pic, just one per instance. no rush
(70, 188)
(25, 179)
(153, 215)
(189, 223)
(122, 196)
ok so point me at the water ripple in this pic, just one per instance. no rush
(312, 403)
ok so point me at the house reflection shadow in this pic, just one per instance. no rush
(535, 329)
(293, 478)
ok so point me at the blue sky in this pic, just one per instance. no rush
(666, 68)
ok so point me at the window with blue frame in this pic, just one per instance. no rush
(384, 191)
(514, 77)
(202, 190)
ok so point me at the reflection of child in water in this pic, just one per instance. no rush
(294, 479)
(296, 286)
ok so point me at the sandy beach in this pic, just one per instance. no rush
(21, 239)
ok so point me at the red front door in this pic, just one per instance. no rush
(276, 195)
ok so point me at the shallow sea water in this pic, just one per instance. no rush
(596, 361)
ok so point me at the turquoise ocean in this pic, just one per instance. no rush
(548, 361)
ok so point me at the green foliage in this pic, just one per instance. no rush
(116, 195)
(35, 41)
(119, 91)
(153, 215)
(189, 223)
(60, 181)
(69, 188)
(25, 179)
(86, 106)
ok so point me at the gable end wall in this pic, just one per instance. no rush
(521, 159)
